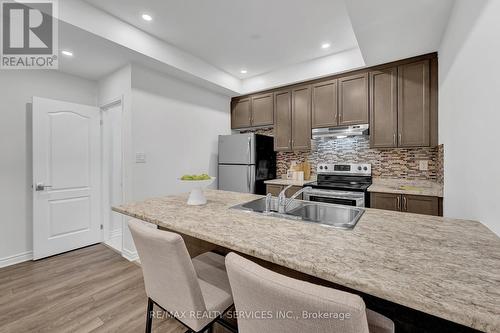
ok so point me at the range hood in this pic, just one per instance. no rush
(340, 132)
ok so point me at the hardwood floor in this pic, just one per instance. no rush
(92, 289)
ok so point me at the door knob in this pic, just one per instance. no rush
(41, 187)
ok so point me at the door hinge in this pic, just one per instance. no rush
(102, 227)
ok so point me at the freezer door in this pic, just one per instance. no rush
(237, 149)
(237, 178)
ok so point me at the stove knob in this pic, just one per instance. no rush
(326, 167)
(359, 168)
(321, 167)
(365, 168)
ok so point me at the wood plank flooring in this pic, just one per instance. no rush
(92, 289)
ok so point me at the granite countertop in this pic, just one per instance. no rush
(444, 267)
(412, 187)
(286, 182)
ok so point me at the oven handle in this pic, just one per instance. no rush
(337, 194)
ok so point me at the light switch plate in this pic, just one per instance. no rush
(140, 157)
(423, 165)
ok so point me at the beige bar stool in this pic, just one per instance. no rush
(288, 305)
(180, 285)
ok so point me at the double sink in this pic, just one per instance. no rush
(330, 215)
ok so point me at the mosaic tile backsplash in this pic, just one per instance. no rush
(402, 163)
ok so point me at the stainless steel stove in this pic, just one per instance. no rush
(344, 184)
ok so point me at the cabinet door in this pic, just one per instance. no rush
(262, 110)
(301, 118)
(419, 204)
(387, 201)
(383, 108)
(241, 113)
(353, 103)
(283, 120)
(413, 104)
(324, 104)
(274, 189)
(291, 191)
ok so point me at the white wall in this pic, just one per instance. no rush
(328, 65)
(469, 87)
(16, 90)
(177, 125)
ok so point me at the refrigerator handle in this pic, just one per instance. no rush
(248, 178)
(249, 150)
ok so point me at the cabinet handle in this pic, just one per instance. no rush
(398, 202)
(405, 204)
(400, 138)
(394, 139)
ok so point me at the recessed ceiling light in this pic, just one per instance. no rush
(325, 45)
(243, 71)
(147, 17)
(67, 53)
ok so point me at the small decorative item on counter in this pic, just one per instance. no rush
(197, 184)
(306, 167)
(298, 175)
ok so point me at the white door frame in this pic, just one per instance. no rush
(105, 170)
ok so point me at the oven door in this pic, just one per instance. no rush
(356, 199)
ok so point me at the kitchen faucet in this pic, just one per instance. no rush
(283, 202)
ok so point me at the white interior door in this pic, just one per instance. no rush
(66, 176)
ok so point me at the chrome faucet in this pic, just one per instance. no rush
(283, 202)
(269, 198)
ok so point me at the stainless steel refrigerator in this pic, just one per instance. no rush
(245, 162)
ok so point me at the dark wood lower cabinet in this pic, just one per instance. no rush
(418, 204)
(387, 201)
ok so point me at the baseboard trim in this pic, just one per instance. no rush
(16, 259)
(129, 255)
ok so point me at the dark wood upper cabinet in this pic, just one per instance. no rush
(241, 113)
(419, 204)
(301, 118)
(384, 108)
(324, 104)
(399, 100)
(353, 99)
(387, 201)
(283, 120)
(262, 110)
(414, 104)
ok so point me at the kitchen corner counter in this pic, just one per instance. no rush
(410, 187)
(286, 182)
(444, 267)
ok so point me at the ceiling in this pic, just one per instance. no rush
(259, 35)
(208, 42)
(93, 56)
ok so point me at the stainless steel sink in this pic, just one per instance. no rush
(344, 217)
(337, 216)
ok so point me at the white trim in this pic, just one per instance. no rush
(129, 255)
(115, 240)
(108, 235)
(16, 259)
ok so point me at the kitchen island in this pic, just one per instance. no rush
(443, 267)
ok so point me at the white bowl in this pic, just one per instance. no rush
(196, 197)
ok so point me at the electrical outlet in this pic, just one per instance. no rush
(140, 157)
(423, 165)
